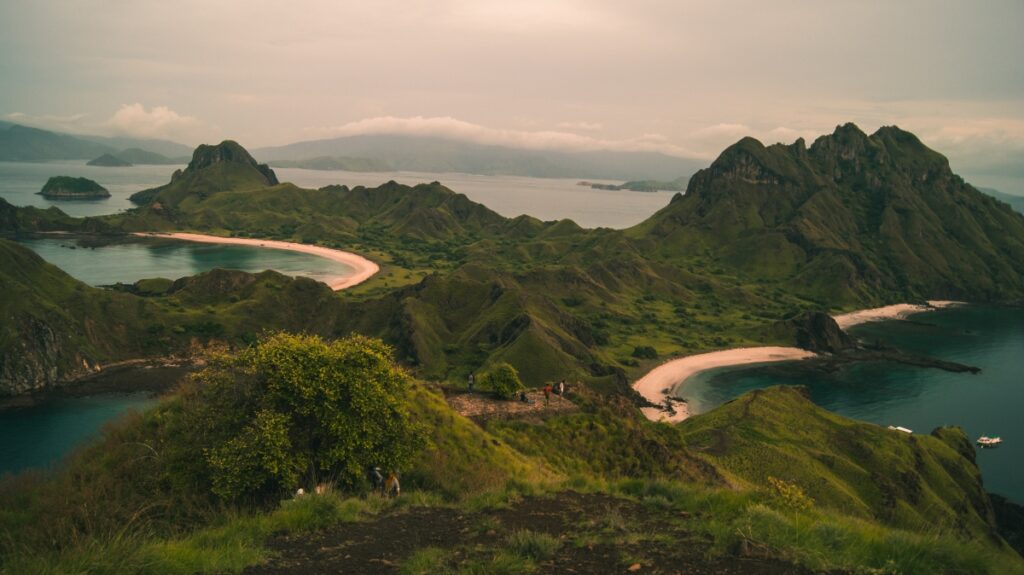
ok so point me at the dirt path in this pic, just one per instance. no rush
(482, 406)
(596, 534)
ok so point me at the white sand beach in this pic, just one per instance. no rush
(363, 269)
(659, 382)
(896, 311)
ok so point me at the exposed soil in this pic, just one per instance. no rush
(598, 534)
(481, 406)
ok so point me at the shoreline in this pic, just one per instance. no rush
(363, 269)
(890, 312)
(658, 384)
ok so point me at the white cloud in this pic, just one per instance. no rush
(455, 129)
(580, 126)
(158, 122)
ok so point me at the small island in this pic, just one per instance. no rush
(108, 161)
(69, 188)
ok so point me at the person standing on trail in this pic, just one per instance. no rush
(471, 382)
(547, 393)
(377, 480)
(561, 388)
(391, 487)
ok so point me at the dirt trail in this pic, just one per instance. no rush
(482, 406)
(597, 534)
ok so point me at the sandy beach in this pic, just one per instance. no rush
(659, 382)
(896, 311)
(363, 269)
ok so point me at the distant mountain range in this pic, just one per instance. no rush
(23, 144)
(1016, 202)
(433, 154)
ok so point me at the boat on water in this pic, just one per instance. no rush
(985, 441)
(900, 428)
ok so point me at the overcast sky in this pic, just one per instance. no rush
(679, 77)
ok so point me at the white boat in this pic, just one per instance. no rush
(985, 441)
(898, 428)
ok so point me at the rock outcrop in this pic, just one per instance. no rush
(817, 331)
(224, 167)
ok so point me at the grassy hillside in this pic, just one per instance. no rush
(852, 219)
(761, 236)
(813, 509)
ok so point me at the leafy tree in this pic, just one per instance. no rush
(295, 409)
(503, 380)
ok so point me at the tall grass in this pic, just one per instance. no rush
(236, 541)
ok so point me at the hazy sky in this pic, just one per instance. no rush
(686, 78)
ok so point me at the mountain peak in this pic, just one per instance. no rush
(226, 166)
(228, 151)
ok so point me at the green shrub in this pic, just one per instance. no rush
(644, 352)
(297, 410)
(503, 380)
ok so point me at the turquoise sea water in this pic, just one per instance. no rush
(988, 403)
(149, 258)
(40, 435)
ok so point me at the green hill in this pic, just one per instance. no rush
(226, 166)
(57, 328)
(852, 219)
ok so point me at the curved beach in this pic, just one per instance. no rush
(363, 269)
(896, 311)
(657, 385)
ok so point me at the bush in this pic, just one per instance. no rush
(644, 352)
(295, 410)
(503, 380)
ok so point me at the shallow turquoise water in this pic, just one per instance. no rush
(41, 435)
(988, 403)
(133, 261)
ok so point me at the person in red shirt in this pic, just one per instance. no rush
(547, 394)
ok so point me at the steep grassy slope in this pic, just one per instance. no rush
(226, 166)
(56, 327)
(915, 482)
(853, 219)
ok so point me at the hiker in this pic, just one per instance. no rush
(391, 487)
(561, 388)
(377, 479)
(471, 382)
(547, 393)
(523, 398)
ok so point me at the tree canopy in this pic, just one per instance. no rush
(295, 409)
